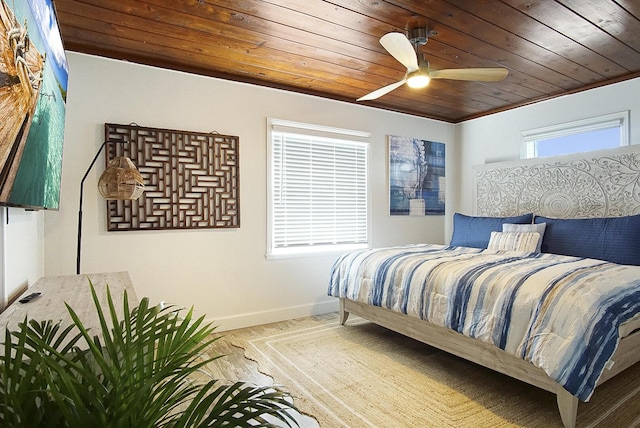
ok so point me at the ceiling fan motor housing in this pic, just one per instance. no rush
(418, 36)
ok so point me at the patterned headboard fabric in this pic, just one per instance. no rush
(596, 184)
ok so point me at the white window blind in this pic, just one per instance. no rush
(318, 187)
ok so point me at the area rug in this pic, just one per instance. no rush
(363, 375)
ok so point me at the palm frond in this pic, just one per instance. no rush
(144, 370)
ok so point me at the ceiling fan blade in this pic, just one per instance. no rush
(382, 91)
(475, 74)
(401, 49)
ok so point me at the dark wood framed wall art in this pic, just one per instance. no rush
(191, 179)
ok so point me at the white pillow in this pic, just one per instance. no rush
(514, 241)
(538, 228)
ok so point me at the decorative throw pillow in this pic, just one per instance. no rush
(614, 239)
(538, 228)
(514, 241)
(474, 232)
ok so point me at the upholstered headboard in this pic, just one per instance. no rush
(594, 184)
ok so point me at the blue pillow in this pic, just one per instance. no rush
(613, 239)
(475, 232)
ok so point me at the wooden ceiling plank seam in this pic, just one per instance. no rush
(175, 6)
(122, 21)
(318, 65)
(631, 6)
(634, 75)
(505, 90)
(150, 47)
(494, 90)
(513, 20)
(296, 37)
(388, 74)
(556, 15)
(527, 48)
(544, 72)
(619, 23)
(497, 38)
(514, 82)
(311, 26)
(142, 57)
(330, 10)
(344, 4)
(528, 66)
(540, 87)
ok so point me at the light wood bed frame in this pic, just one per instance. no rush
(488, 355)
(509, 183)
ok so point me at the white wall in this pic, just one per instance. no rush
(22, 252)
(497, 137)
(223, 273)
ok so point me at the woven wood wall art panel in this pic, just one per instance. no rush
(191, 179)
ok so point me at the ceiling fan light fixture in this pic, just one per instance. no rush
(419, 74)
(418, 80)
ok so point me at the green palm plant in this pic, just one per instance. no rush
(146, 370)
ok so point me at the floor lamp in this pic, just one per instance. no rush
(120, 181)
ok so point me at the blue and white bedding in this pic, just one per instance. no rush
(560, 313)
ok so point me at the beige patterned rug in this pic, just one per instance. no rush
(362, 375)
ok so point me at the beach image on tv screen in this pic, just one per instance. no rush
(33, 90)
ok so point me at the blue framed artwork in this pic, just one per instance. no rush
(416, 176)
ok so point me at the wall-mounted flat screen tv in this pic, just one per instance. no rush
(33, 91)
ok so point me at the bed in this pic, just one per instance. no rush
(542, 283)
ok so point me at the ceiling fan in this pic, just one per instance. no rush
(418, 74)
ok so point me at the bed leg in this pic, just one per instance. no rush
(568, 406)
(343, 314)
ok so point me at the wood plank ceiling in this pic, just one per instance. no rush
(331, 48)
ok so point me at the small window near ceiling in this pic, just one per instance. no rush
(598, 133)
(317, 187)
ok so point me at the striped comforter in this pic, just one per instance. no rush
(560, 313)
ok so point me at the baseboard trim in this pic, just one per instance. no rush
(17, 292)
(266, 317)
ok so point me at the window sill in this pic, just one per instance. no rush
(312, 251)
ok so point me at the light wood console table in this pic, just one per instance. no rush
(74, 290)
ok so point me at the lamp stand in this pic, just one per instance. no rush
(79, 252)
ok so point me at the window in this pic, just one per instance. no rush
(317, 188)
(603, 132)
